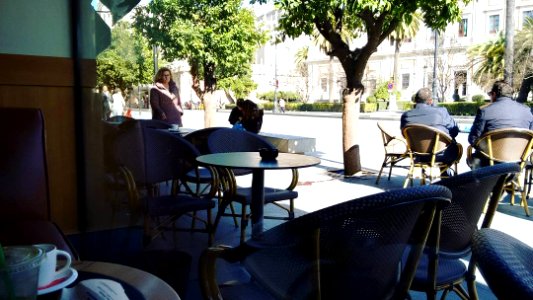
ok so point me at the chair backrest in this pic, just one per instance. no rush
(505, 263)
(425, 140)
(505, 145)
(470, 192)
(153, 155)
(200, 137)
(23, 170)
(232, 140)
(350, 250)
(390, 142)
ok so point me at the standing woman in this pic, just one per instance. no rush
(165, 98)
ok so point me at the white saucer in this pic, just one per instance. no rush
(65, 280)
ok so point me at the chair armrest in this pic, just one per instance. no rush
(394, 143)
(469, 153)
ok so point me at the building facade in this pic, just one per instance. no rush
(482, 20)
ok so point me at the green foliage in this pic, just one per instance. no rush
(382, 92)
(127, 62)
(462, 108)
(371, 99)
(217, 37)
(369, 107)
(478, 98)
(241, 86)
(487, 58)
(405, 105)
(289, 96)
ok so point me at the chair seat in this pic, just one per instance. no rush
(30, 232)
(244, 195)
(203, 176)
(450, 270)
(176, 205)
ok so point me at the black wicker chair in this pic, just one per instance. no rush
(200, 177)
(440, 267)
(350, 250)
(148, 157)
(231, 140)
(505, 263)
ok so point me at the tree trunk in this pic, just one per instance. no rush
(331, 78)
(525, 88)
(210, 104)
(350, 125)
(210, 109)
(509, 42)
(395, 75)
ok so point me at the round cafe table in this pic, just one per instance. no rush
(149, 285)
(252, 160)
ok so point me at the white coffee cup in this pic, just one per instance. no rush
(175, 127)
(48, 271)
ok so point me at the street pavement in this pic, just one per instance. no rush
(325, 184)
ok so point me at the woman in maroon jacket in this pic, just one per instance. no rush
(165, 98)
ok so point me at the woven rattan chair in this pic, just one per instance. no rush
(232, 140)
(149, 157)
(505, 264)
(441, 267)
(505, 145)
(424, 144)
(395, 151)
(350, 250)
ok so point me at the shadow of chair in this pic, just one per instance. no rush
(506, 145)
(232, 140)
(395, 151)
(505, 264)
(350, 250)
(149, 158)
(450, 241)
(24, 193)
(425, 145)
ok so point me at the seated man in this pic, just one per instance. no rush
(438, 117)
(502, 112)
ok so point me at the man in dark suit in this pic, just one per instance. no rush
(438, 117)
(502, 112)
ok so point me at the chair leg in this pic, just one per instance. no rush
(381, 170)
(291, 209)
(244, 223)
(390, 170)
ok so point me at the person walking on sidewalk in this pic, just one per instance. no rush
(282, 105)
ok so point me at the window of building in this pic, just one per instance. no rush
(324, 84)
(460, 83)
(405, 81)
(527, 14)
(494, 23)
(463, 28)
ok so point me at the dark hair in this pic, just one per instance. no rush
(252, 116)
(239, 102)
(502, 89)
(159, 75)
(423, 95)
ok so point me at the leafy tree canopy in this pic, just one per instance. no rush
(217, 37)
(127, 62)
(377, 19)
